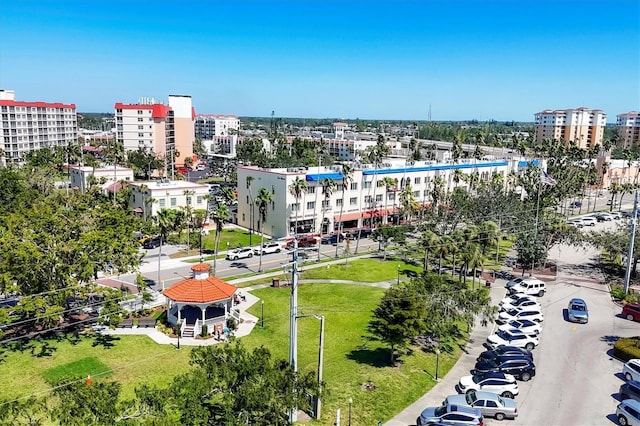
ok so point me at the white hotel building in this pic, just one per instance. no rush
(366, 196)
(29, 126)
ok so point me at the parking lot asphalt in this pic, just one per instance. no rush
(577, 379)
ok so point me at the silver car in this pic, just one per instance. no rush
(577, 311)
(628, 413)
(489, 404)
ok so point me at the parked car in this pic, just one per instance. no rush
(631, 369)
(512, 338)
(524, 325)
(520, 303)
(628, 413)
(450, 415)
(630, 390)
(575, 204)
(531, 314)
(489, 404)
(267, 248)
(513, 297)
(362, 232)
(522, 368)
(631, 311)
(577, 311)
(240, 253)
(617, 215)
(516, 281)
(504, 351)
(151, 243)
(603, 217)
(333, 238)
(499, 383)
(532, 287)
(304, 241)
(576, 223)
(589, 220)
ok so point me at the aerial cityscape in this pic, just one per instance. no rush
(320, 213)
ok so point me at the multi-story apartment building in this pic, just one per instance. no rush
(628, 127)
(583, 126)
(218, 132)
(151, 197)
(82, 177)
(158, 128)
(29, 126)
(366, 200)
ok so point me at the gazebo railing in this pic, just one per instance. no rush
(211, 321)
(197, 328)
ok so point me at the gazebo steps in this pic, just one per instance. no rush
(188, 331)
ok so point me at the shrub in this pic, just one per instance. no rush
(231, 323)
(617, 292)
(205, 330)
(627, 348)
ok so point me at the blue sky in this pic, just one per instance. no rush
(492, 59)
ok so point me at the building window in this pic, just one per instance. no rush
(366, 185)
(391, 196)
(325, 203)
(378, 197)
(368, 199)
(139, 119)
(295, 207)
(311, 189)
(339, 202)
(188, 200)
(161, 203)
(247, 199)
(416, 181)
(311, 205)
(354, 186)
(173, 202)
(379, 183)
(243, 217)
(353, 201)
(199, 199)
(416, 194)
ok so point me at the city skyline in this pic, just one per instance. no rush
(501, 60)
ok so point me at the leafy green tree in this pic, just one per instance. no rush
(386, 234)
(81, 404)
(263, 200)
(399, 317)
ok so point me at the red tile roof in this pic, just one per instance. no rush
(207, 290)
(37, 104)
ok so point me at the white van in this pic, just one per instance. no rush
(530, 287)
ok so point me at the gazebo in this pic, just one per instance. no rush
(201, 300)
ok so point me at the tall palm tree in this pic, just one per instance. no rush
(458, 239)
(188, 211)
(219, 215)
(429, 241)
(408, 201)
(458, 176)
(347, 178)
(444, 249)
(389, 184)
(328, 188)
(473, 259)
(248, 181)
(488, 236)
(264, 198)
(298, 188)
(165, 220)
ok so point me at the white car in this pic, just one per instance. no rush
(512, 338)
(526, 326)
(502, 384)
(267, 248)
(589, 221)
(240, 253)
(521, 304)
(516, 296)
(531, 314)
(631, 369)
(518, 280)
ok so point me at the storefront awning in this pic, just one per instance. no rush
(346, 217)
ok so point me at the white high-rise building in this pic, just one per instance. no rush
(219, 133)
(29, 126)
(583, 126)
(628, 126)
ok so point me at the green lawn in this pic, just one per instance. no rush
(349, 359)
(364, 270)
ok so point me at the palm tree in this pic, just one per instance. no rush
(248, 181)
(487, 235)
(219, 215)
(298, 188)
(262, 202)
(143, 191)
(165, 221)
(188, 213)
(408, 201)
(457, 238)
(457, 149)
(444, 249)
(457, 177)
(389, 183)
(429, 241)
(347, 178)
(473, 259)
(328, 187)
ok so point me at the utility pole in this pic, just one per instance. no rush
(293, 323)
(627, 275)
(320, 365)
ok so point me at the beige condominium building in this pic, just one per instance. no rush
(156, 127)
(29, 126)
(628, 126)
(583, 126)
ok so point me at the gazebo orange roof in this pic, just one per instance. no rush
(205, 290)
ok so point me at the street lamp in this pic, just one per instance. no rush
(437, 362)
(262, 320)
(398, 274)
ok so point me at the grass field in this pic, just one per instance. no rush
(351, 359)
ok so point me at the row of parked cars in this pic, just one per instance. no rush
(628, 411)
(593, 219)
(490, 389)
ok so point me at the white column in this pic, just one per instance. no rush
(225, 310)
(179, 309)
(203, 309)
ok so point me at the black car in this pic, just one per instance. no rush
(630, 390)
(332, 239)
(522, 368)
(505, 350)
(354, 234)
(152, 243)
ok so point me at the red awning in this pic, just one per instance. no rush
(346, 217)
(378, 212)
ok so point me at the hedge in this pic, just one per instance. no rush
(627, 348)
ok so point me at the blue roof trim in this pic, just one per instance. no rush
(319, 176)
(434, 167)
(525, 163)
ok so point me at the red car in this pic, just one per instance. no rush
(631, 311)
